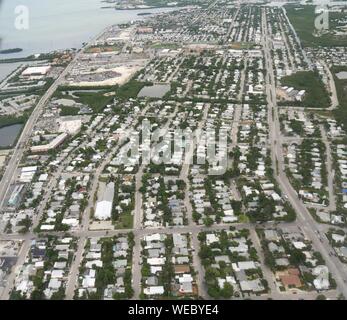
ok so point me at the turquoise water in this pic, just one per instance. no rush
(58, 24)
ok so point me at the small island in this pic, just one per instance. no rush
(8, 51)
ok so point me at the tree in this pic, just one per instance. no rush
(16, 295)
(37, 295)
(59, 295)
(269, 260)
(227, 291)
(214, 291)
(296, 257)
(211, 274)
(208, 222)
(202, 236)
(205, 252)
(196, 216)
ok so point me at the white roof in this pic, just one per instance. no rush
(229, 219)
(57, 274)
(88, 282)
(70, 222)
(36, 70)
(299, 244)
(153, 237)
(54, 284)
(156, 261)
(244, 265)
(229, 212)
(43, 177)
(39, 264)
(29, 169)
(47, 227)
(185, 278)
(153, 290)
(97, 263)
(103, 210)
(211, 238)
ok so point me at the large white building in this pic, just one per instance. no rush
(103, 209)
(36, 71)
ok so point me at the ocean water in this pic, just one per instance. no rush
(7, 68)
(58, 24)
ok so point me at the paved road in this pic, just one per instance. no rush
(184, 175)
(74, 270)
(11, 169)
(304, 218)
(332, 87)
(238, 107)
(267, 273)
(288, 47)
(15, 270)
(329, 168)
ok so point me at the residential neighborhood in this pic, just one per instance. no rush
(195, 152)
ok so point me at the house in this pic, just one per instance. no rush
(152, 281)
(252, 285)
(322, 280)
(156, 261)
(57, 274)
(244, 265)
(178, 269)
(153, 290)
(185, 281)
(54, 284)
(211, 238)
(290, 278)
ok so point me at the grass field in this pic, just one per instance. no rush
(96, 101)
(125, 221)
(130, 89)
(68, 111)
(303, 23)
(316, 96)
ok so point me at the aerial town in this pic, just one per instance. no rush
(199, 153)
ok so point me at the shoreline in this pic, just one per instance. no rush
(140, 16)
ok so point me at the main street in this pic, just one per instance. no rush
(304, 218)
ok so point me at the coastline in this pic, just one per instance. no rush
(30, 54)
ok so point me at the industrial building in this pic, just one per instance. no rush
(36, 71)
(52, 145)
(103, 209)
